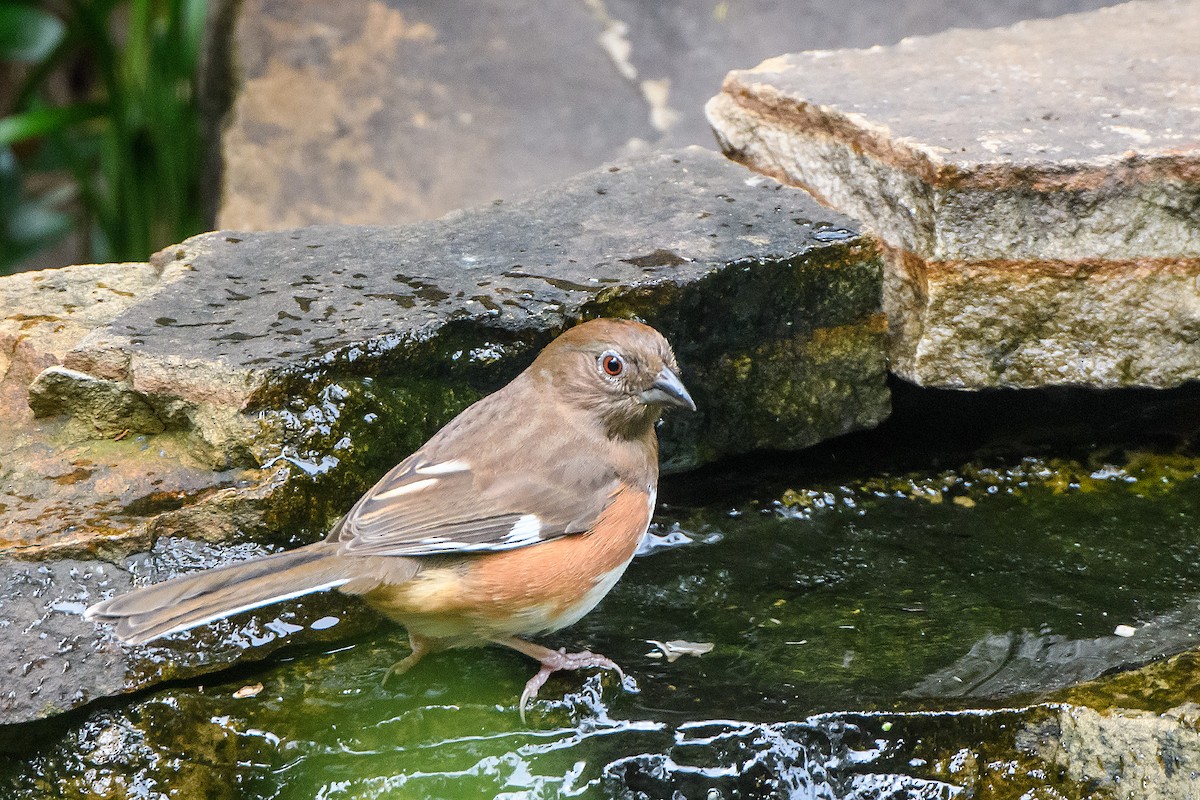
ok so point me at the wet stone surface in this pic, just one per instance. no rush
(263, 380)
(74, 485)
(55, 661)
(260, 319)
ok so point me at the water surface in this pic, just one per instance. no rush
(832, 599)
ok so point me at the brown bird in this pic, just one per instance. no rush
(515, 519)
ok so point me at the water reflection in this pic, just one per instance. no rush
(1012, 664)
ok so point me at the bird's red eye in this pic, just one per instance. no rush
(612, 364)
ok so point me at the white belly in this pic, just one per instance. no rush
(579, 610)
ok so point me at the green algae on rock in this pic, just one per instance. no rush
(1153, 473)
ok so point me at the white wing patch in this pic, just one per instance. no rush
(440, 544)
(407, 488)
(524, 531)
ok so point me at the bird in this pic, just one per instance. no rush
(512, 521)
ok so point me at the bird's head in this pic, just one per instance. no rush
(622, 369)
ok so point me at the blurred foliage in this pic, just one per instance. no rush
(102, 133)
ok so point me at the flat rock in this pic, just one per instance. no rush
(760, 289)
(385, 112)
(275, 376)
(1038, 187)
(1012, 664)
(46, 313)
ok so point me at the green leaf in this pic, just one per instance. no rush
(41, 121)
(27, 33)
(134, 151)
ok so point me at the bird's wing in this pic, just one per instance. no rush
(425, 507)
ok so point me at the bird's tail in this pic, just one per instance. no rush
(193, 600)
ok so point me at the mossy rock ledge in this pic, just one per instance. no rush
(243, 388)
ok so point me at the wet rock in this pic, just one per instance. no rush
(51, 660)
(284, 372)
(1125, 754)
(104, 408)
(1133, 734)
(770, 300)
(54, 661)
(46, 313)
(68, 481)
(1038, 193)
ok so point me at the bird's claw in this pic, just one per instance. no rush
(531, 688)
(419, 648)
(394, 671)
(560, 659)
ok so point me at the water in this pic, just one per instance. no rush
(869, 630)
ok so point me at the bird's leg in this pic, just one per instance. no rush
(420, 646)
(552, 661)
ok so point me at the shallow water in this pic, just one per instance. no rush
(836, 610)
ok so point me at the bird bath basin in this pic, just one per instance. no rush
(887, 619)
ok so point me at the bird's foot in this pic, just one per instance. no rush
(552, 661)
(420, 647)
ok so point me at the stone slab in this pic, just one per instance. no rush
(1038, 186)
(70, 492)
(390, 112)
(710, 253)
(277, 375)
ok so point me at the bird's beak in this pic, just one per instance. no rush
(668, 390)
